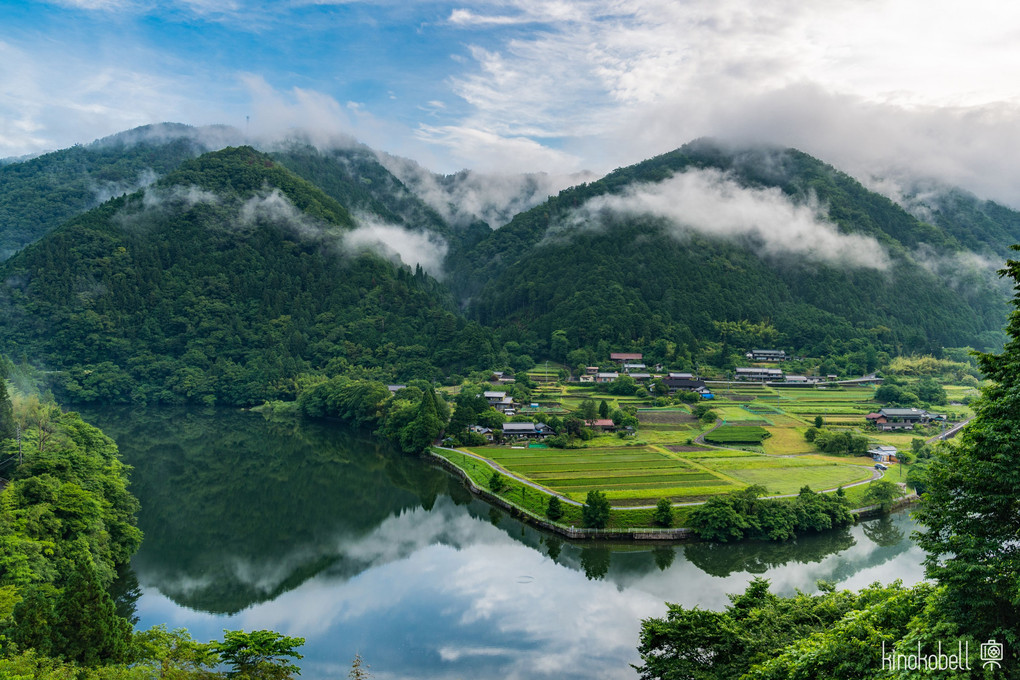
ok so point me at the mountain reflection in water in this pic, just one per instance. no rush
(318, 531)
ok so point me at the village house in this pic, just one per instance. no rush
(759, 374)
(772, 355)
(684, 384)
(531, 430)
(607, 377)
(604, 424)
(484, 431)
(500, 401)
(640, 377)
(799, 381)
(632, 367)
(883, 454)
(898, 418)
(621, 357)
(501, 378)
(681, 376)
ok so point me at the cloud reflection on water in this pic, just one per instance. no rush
(445, 594)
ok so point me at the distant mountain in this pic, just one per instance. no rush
(224, 281)
(469, 196)
(684, 247)
(355, 176)
(38, 194)
(986, 227)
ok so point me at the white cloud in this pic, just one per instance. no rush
(884, 86)
(410, 247)
(490, 152)
(469, 195)
(56, 98)
(714, 204)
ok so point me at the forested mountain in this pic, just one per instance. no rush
(689, 245)
(354, 176)
(223, 281)
(986, 227)
(38, 194)
(239, 271)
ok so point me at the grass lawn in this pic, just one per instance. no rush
(786, 441)
(901, 440)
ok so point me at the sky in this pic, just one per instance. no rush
(886, 90)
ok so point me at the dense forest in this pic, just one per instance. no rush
(629, 280)
(224, 281)
(68, 529)
(39, 194)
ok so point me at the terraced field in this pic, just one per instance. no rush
(788, 475)
(737, 434)
(629, 475)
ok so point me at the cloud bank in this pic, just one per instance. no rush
(469, 195)
(371, 234)
(712, 203)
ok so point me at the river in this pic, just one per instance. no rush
(317, 531)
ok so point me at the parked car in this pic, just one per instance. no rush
(879, 466)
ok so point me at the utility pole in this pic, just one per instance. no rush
(17, 433)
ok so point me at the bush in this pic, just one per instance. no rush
(497, 483)
(554, 510)
(595, 512)
(473, 439)
(663, 515)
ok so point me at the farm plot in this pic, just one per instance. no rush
(665, 416)
(632, 475)
(788, 475)
(737, 434)
(785, 441)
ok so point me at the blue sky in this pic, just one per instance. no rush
(885, 88)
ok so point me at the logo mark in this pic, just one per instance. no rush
(992, 653)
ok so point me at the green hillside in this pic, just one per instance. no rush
(355, 177)
(630, 281)
(39, 194)
(223, 282)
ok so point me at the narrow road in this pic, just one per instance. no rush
(950, 433)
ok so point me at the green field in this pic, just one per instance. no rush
(619, 471)
(737, 434)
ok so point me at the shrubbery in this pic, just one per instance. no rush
(745, 514)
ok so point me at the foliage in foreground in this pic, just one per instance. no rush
(758, 625)
(67, 525)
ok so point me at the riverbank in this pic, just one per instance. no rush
(534, 499)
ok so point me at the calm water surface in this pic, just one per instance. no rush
(320, 532)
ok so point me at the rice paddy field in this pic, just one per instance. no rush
(629, 475)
